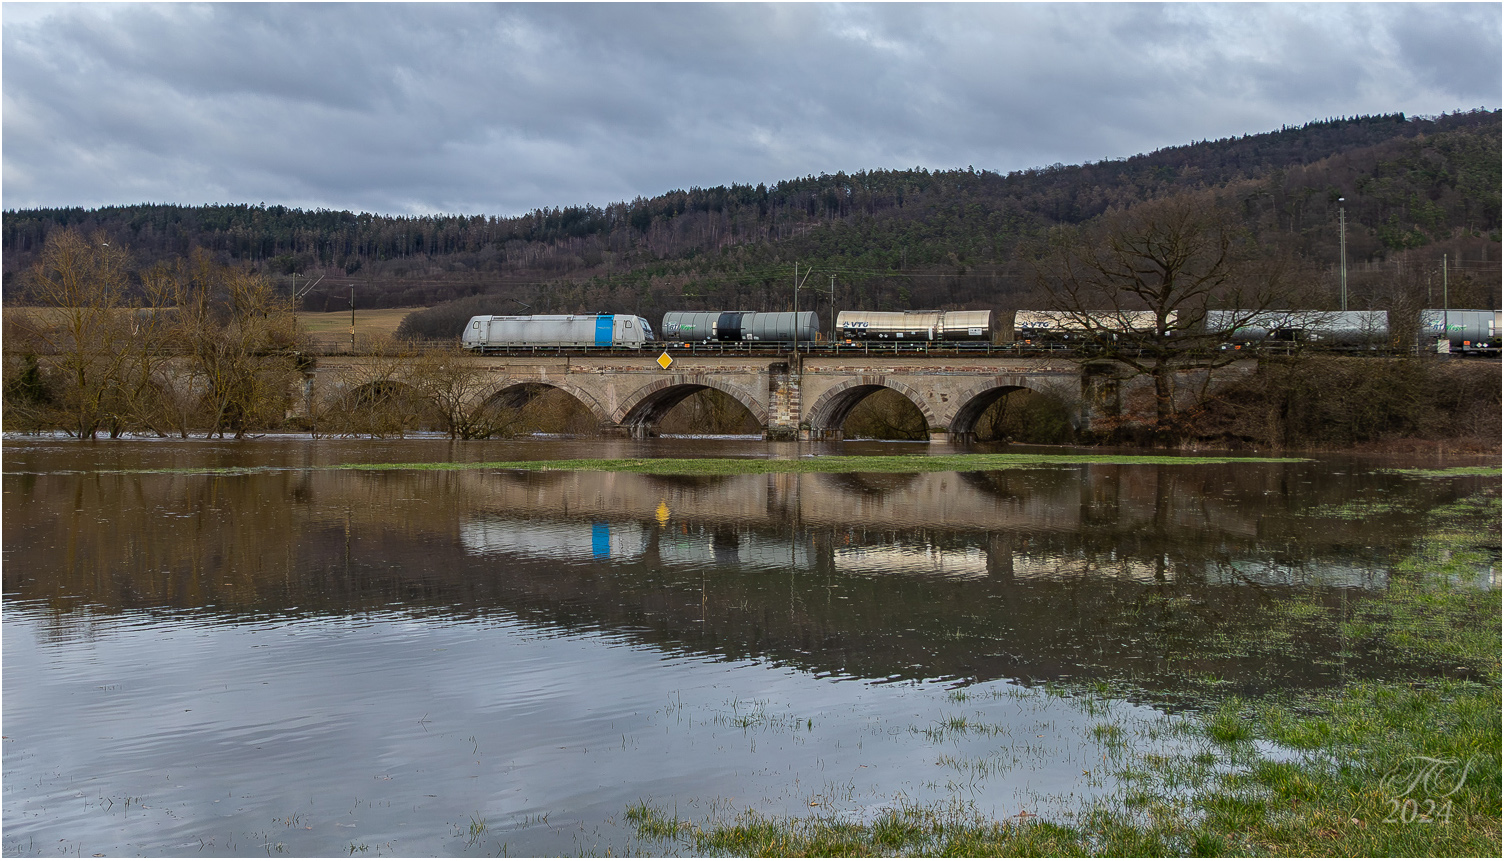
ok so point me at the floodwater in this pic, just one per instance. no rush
(294, 659)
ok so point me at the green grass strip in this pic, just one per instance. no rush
(1446, 473)
(755, 466)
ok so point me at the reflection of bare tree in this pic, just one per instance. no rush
(876, 484)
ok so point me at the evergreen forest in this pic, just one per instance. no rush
(1412, 189)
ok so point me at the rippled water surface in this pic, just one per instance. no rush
(313, 661)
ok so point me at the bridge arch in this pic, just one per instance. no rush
(973, 402)
(375, 391)
(647, 406)
(517, 393)
(830, 410)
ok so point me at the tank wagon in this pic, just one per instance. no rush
(915, 325)
(704, 326)
(1467, 331)
(1035, 326)
(1327, 328)
(556, 330)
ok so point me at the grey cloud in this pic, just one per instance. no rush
(502, 108)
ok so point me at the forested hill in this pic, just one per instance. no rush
(884, 238)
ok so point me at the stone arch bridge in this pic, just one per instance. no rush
(798, 397)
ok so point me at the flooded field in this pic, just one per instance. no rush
(241, 648)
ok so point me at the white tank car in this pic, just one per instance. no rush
(1068, 326)
(915, 325)
(556, 330)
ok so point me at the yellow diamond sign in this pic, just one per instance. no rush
(665, 360)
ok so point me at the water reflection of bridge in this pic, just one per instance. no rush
(982, 575)
(1011, 522)
(1026, 500)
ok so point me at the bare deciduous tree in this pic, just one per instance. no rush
(1138, 286)
(239, 338)
(82, 284)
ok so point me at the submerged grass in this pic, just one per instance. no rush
(757, 466)
(1392, 767)
(1450, 472)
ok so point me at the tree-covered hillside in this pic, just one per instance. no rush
(1414, 188)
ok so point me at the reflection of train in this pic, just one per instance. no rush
(626, 541)
(556, 330)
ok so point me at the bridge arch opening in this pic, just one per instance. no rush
(381, 408)
(685, 405)
(523, 408)
(709, 411)
(1012, 413)
(871, 409)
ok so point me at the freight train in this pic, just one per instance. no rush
(1457, 331)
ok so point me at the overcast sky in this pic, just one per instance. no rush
(498, 108)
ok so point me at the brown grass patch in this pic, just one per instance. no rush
(376, 321)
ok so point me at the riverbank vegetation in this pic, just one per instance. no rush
(1407, 765)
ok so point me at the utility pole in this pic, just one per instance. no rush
(833, 309)
(352, 319)
(796, 316)
(1446, 333)
(297, 294)
(1342, 258)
